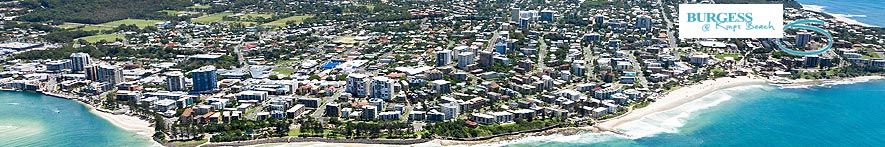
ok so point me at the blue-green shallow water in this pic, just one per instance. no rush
(30, 119)
(865, 11)
(839, 115)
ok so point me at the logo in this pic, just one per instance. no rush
(731, 21)
(801, 24)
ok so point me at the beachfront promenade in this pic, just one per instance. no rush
(325, 140)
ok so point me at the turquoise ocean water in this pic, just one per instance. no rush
(866, 11)
(30, 119)
(836, 115)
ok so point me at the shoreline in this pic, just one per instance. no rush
(122, 121)
(845, 18)
(669, 101)
(678, 98)
(126, 122)
(693, 94)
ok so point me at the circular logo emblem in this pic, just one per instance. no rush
(801, 24)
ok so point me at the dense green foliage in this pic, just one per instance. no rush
(386, 129)
(66, 36)
(247, 129)
(23, 25)
(311, 127)
(103, 51)
(97, 11)
(841, 72)
(225, 61)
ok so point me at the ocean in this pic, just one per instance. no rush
(31, 119)
(865, 11)
(761, 115)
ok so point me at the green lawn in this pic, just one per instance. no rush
(284, 62)
(869, 53)
(200, 7)
(732, 55)
(69, 25)
(284, 67)
(256, 15)
(371, 7)
(141, 23)
(282, 22)
(294, 132)
(106, 37)
(218, 17)
(96, 28)
(111, 25)
(284, 70)
(210, 18)
(244, 23)
(170, 12)
(345, 39)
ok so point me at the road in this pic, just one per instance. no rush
(321, 109)
(638, 69)
(542, 53)
(671, 40)
(588, 61)
(238, 50)
(492, 41)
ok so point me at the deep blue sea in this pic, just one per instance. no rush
(836, 115)
(30, 119)
(865, 11)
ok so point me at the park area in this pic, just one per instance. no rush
(248, 18)
(105, 37)
(282, 22)
(141, 23)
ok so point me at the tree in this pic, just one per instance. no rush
(97, 11)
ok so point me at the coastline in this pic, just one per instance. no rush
(123, 121)
(846, 18)
(679, 97)
(669, 101)
(319, 144)
(126, 122)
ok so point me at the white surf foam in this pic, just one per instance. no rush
(850, 81)
(840, 17)
(669, 121)
(584, 138)
(794, 86)
(847, 18)
(815, 8)
(829, 83)
(7, 127)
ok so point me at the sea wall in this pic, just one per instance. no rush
(314, 139)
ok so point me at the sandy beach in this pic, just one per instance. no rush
(680, 97)
(126, 122)
(671, 100)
